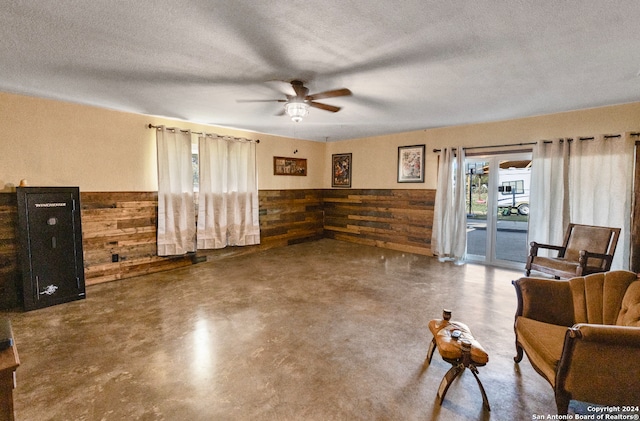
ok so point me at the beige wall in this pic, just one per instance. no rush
(55, 143)
(375, 158)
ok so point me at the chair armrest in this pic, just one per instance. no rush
(585, 255)
(599, 364)
(545, 300)
(607, 334)
(533, 251)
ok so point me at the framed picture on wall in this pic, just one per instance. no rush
(341, 170)
(289, 166)
(411, 164)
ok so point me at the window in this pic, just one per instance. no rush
(195, 164)
(512, 187)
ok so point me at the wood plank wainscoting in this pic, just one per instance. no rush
(9, 272)
(124, 224)
(290, 216)
(393, 219)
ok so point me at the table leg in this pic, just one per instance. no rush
(432, 348)
(448, 378)
(485, 401)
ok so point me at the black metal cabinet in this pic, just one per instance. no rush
(51, 245)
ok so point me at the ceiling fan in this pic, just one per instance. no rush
(297, 106)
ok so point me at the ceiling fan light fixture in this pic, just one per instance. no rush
(296, 110)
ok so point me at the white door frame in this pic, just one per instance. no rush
(492, 207)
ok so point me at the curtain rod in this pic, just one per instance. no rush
(534, 143)
(494, 146)
(151, 126)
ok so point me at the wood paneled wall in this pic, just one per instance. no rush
(124, 223)
(9, 272)
(290, 216)
(394, 219)
(286, 217)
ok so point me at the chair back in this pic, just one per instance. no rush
(597, 298)
(630, 311)
(591, 238)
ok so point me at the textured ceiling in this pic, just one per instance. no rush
(411, 64)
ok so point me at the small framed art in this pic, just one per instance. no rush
(411, 164)
(341, 170)
(289, 166)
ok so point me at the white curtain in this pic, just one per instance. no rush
(549, 201)
(228, 208)
(601, 187)
(449, 236)
(176, 213)
(585, 182)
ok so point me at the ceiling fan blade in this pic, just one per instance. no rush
(325, 107)
(299, 88)
(329, 94)
(261, 100)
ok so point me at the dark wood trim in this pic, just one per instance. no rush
(9, 249)
(635, 215)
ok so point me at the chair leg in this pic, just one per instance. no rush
(485, 401)
(519, 353)
(562, 402)
(432, 348)
(448, 378)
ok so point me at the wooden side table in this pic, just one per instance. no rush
(458, 347)
(9, 362)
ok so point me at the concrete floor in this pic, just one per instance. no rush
(326, 330)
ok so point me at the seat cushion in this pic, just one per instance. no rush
(543, 343)
(559, 264)
(449, 347)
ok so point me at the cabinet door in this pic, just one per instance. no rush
(52, 247)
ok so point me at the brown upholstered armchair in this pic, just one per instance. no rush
(586, 249)
(582, 335)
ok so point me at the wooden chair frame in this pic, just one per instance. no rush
(581, 267)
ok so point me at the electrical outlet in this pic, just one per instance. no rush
(115, 258)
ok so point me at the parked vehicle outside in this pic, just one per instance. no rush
(514, 190)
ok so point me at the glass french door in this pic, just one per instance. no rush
(498, 188)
